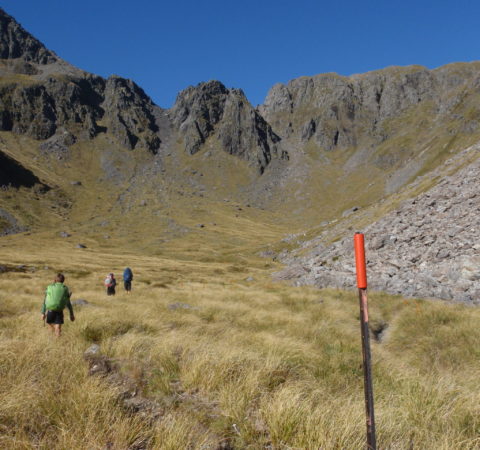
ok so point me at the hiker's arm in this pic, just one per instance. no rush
(70, 307)
(44, 308)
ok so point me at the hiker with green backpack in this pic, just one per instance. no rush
(57, 297)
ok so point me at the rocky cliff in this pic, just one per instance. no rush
(210, 110)
(340, 112)
(77, 105)
(52, 96)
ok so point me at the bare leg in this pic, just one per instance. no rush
(52, 329)
(58, 330)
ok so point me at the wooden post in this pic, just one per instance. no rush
(367, 370)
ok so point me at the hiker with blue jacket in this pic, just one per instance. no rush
(57, 297)
(127, 279)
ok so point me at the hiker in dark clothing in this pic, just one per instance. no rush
(110, 283)
(127, 279)
(57, 297)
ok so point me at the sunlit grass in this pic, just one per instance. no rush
(248, 363)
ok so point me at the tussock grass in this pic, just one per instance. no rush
(248, 364)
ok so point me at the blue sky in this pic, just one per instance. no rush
(167, 46)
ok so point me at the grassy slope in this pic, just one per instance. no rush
(281, 363)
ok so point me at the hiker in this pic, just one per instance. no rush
(127, 279)
(110, 283)
(57, 297)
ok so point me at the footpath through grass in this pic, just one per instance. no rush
(231, 359)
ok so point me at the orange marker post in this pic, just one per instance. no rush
(361, 267)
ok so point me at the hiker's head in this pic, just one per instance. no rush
(59, 278)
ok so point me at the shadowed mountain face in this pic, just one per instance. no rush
(13, 174)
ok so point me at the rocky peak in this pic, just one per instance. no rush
(129, 113)
(56, 100)
(15, 42)
(210, 109)
(197, 110)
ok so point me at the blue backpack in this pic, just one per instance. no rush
(127, 274)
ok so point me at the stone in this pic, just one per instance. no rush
(349, 211)
(178, 305)
(64, 234)
(93, 350)
(81, 246)
(470, 268)
(267, 254)
(377, 243)
(80, 302)
(100, 366)
(443, 253)
(11, 224)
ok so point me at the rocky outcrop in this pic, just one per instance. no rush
(75, 105)
(15, 42)
(197, 111)
(64, 99)
(428, 247)
(39, 109)
(212, 110)
(341, 112)
(50, 102)
(9, 224)
(129, 114)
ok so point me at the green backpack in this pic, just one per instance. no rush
(56, 297)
